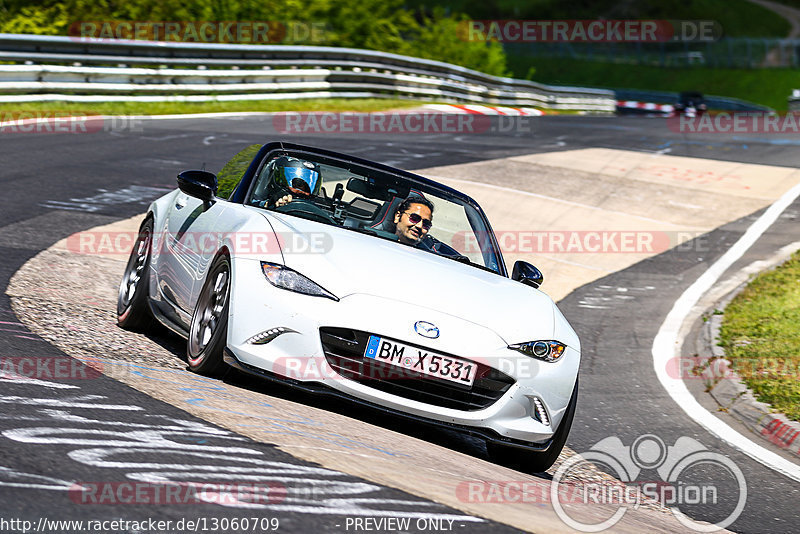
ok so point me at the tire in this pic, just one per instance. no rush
(133, 309)
(536, 462)
(208, 331)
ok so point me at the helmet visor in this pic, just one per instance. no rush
(301, 179)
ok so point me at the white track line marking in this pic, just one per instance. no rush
(667, 343)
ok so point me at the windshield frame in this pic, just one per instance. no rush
(362, 167)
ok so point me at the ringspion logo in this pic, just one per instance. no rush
(688, 473)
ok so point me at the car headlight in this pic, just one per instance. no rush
(286, 278)
(549, 351)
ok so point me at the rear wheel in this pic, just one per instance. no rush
(536, 462)
(208, 331)
(133, 310)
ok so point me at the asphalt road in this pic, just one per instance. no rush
(622, 395)
(57, 184)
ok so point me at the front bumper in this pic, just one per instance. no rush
(316, 388)
(505, 410)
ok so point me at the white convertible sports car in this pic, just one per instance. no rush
(346, 277)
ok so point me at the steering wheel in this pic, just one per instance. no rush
(307, 210)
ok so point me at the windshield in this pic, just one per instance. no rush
(376, 203)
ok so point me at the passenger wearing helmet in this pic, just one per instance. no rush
(291, 178)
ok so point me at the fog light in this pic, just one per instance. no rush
(539, 413)
(268, 335)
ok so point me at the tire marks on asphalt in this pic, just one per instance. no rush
(101, 439)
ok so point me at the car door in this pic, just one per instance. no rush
(189, 230)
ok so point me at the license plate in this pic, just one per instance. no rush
(421, 361)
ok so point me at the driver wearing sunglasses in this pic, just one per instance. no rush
(413, 219)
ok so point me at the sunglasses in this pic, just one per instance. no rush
(415, 218)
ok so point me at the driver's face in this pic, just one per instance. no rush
(408, 232)
(300, 187)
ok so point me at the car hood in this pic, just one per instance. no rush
(350, 263)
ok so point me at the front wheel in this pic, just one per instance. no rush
(208, 331)
(133, 310)
(537, 462)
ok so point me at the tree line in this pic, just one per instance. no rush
(384, 25)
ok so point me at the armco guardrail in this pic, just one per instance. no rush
(77, 69)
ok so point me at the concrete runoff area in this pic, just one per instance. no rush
(592, 190)
(647, 199)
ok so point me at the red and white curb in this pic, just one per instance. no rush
(734, 397)
(646, 106)
(730, 391)
(475, 109)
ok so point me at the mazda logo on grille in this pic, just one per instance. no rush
(426, 329)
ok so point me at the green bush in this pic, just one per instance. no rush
(38, 20)
(382, 25)
(444, 37)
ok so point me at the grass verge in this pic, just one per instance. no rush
(761, 337)
(770, 87)
(179, 108)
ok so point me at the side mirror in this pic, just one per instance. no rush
(527, 274)
(198, 184)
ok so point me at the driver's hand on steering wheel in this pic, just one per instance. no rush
(283, 201)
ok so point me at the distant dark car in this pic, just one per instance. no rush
(691, 103)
